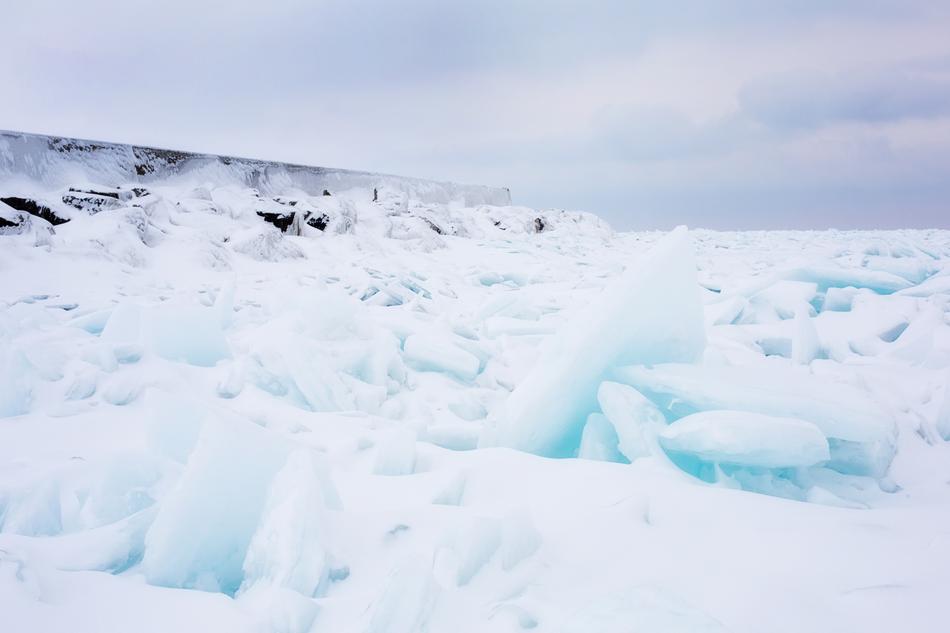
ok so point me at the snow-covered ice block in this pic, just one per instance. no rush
(15, 382)
(174, 424)
(599, 440)
(94, 322)
(396, 453)
(835, 277)
(468, 408)
(318, 380)
(475, 544)
(430, 352)
(840, 410)
(805, 344)
(747, 439)
(943, 413)
(653, 313)
(83, 385)
(451, 494)
(912, 269)
(724, 311)
(520, 539)
(649, 608)
(407, 600)
(839, 299)
(200, 536)
(122, 389)
(187, 333)
(232, 380)
(265, 244)
(288, 549)
(938, 284)
(456, 436)
(862, 434)
(33, 511)
(786, 296)
(499, 326)
(118, 488)
(278, 609)
(77, 496)
(635, 419)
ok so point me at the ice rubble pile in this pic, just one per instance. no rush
(622, 381)
(201, 388)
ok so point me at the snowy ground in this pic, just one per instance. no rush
(207, 424)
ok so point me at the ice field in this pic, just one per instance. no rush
(404, 407)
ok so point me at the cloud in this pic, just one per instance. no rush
(614, 106)
(811, 99)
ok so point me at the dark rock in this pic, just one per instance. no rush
(107, 194)
(319, 221)
(435, 227)
(149, 159)
(326, 192)
(11, 220)
(33, 207)
(375, 195)
(281, 220)
(91, 203)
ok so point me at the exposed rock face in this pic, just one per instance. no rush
(91, 202)
(281, 220)
(28, 205)
(60, 162)
(319, 221)
(292, 198)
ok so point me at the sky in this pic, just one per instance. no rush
(736, 114)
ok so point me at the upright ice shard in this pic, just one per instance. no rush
(652, 314)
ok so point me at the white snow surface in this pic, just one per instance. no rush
(207, 424)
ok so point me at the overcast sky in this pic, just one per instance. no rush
(730, 114)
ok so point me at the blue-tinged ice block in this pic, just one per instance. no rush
(185, 333)
(636, 420)
(432, 352)
(15, 381)
(862, 435)
(652, 314)
(201, 534)
(288, 549)
(599, 440)
(743, 438)
(828, 276)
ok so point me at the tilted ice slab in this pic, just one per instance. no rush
(842, 412)
(223, 508)
(747, 439)
(652, 314)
